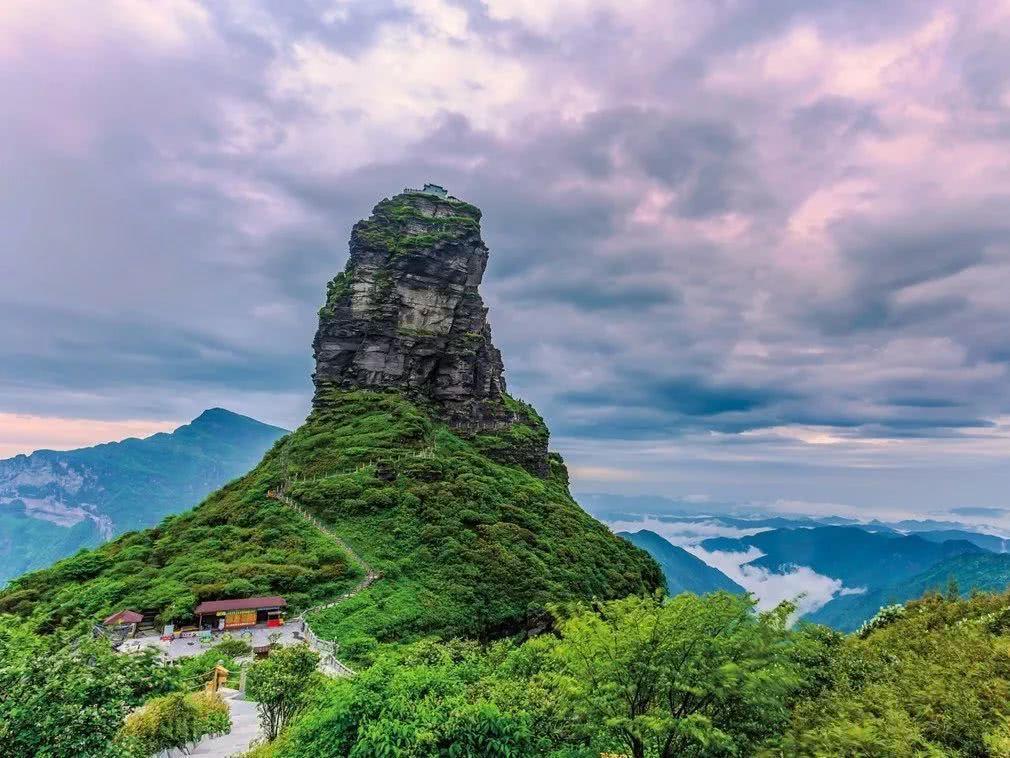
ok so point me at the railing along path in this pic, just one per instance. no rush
(326, 648)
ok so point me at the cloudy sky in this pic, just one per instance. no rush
(741, 249)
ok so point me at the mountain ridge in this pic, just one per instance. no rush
(984, 571)
(81, 497)
(684, 572)
(857, 557)
(441, 481)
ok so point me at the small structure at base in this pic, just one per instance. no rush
(124, 623)
(218, 678)
(240, 612)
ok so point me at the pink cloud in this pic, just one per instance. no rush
(24, 434)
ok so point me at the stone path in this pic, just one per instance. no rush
(245, 727)
(329, 663)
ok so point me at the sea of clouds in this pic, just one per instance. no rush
(800, 584)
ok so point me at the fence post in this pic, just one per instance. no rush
(219, 675)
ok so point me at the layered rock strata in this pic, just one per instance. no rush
(406, 315)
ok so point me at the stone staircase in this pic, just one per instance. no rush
(328, 663)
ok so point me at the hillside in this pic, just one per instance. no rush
(987, 572)
(684, 572)
(414, 454)
(990, 542)
(858, 557)
(54, 503)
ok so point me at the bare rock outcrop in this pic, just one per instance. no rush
(406, 315)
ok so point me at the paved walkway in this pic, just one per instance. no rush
(245, 727)
(183, 647)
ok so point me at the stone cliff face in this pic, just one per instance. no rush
(406, 315)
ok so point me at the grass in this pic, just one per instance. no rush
(466, 545)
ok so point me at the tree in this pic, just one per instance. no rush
(933, 679)
(452, 700)
(282, 685)
(175, 721)
(691, 676)
(63, 696)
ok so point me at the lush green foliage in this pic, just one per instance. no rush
(692, 677)
(430, 699)
(466, 545)
(934, 680)
(193, 671)
(61, 697)
(281, 686)
(237, 543)
(397, 226)
(133, 484)
(174, 721)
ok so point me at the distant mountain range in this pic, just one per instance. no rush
(978, 571)
(855, 556)
(684, 572)
(880, 562)
(54, 503)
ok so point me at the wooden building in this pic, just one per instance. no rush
(123, 623)
(240, 612)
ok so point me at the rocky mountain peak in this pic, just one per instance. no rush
(406, 313)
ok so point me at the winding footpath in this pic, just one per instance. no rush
(327, 648)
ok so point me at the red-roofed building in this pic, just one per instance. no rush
(239, 612)
(123, 617)
(125, 622)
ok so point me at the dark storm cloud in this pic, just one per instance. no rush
(717, 219)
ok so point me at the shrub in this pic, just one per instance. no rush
(175, 721)
(230, 647)
(282, 684)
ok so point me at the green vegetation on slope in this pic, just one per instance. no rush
(689, 677)
(684, 572)
(465, 545)
(695, 676)
(971, 571)
(124, 485)
(398, 226)
(59, 698)
(933, 680)
(648, 677)
(236, 544)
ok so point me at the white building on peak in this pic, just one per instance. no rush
(430, 189)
